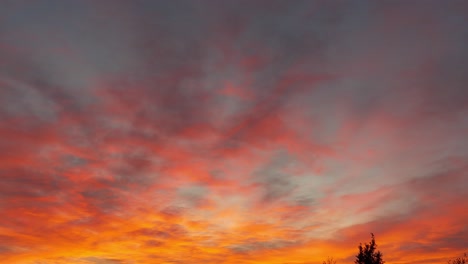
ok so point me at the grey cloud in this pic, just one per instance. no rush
(26, 184)
(161, 231)
(154, 243)
(305, 201)
(194, 194)
(173, 211)
(99, 260)
(253, 247)
(74, 161)
(445, 191)
(131, 170)
(275, 182)
(104, 200)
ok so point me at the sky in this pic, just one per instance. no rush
(236, 132)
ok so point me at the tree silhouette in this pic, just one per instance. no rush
(329, 261)
(368, 254)
(462, 260)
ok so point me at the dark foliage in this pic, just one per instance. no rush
(368, 253)
(461, 260)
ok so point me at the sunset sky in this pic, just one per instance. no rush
(236, 132)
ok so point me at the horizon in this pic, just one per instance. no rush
(237, 132)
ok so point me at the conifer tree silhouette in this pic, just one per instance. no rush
(368, 253)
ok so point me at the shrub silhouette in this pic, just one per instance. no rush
(329, 261)
(462, 260)
(368, 254)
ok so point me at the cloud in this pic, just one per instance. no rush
(95, 260)
(252, 247)
(231, 132)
